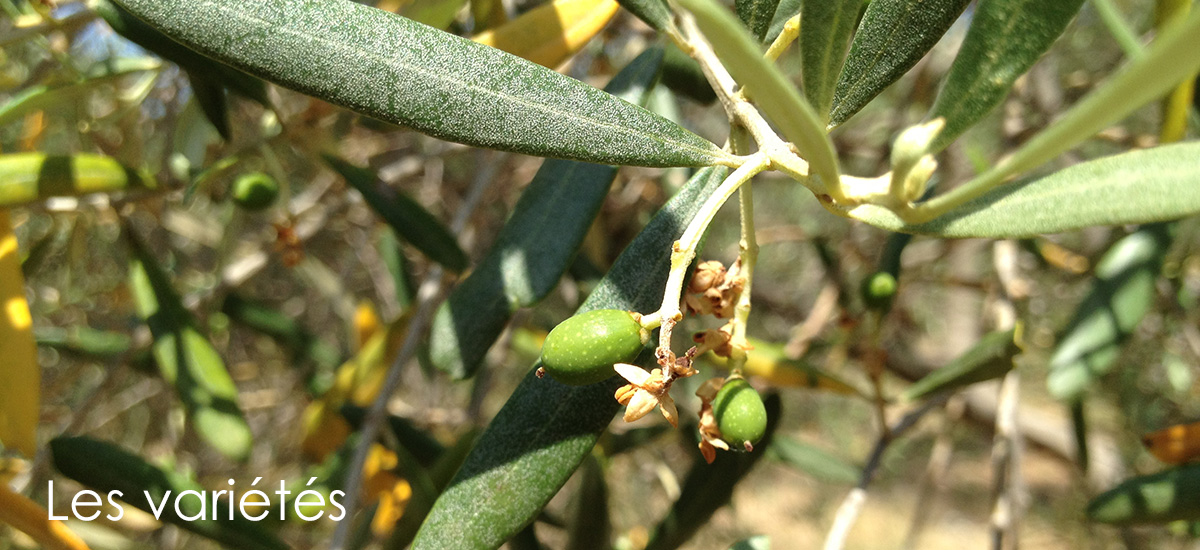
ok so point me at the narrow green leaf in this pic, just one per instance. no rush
(440, 473)
(813, 461)
(398, 268)
(757, 15)
(138, 32)
(185, 358)
(546, 428)
(288, 331)
(46, 96)
(397, 70)
(823, 38)
(772, 91)
(105, 467)
(29, 177)
(1151, 499)
(535, 246)
(1005, 39)
(991, 358)
(590, 527)
(1122, 293)
(404, 215)
(708, 487)
(1141, 186)
(84, 341)
(654, 12)
(892, 37)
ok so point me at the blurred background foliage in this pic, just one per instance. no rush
(285, 294)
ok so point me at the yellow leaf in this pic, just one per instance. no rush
(33, 520)
(767, 360)
(551, 33)
(20, 377)
(366, 323)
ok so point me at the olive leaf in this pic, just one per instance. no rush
(757, 15)
(397, 70)
(654, 12)
(546, 428)
(989, 359)
(30, 177)
(185, 357)
(404, 215)
(1140, 186)
(1121, 295)
(534, 247)
(1005, 39)
(824, 33)
(786, 9)
(1150, 499)
(813, 461)
(892, 37)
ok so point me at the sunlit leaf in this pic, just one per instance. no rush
(1005, 39)
(49, 96)
(813, 461)
(546, 428)
(824, 33)
(768, 360)
(28, 517)
(1149, 185)
(20, 379)
(185, 358)
(29, 177)
(395, 69)
(892, 37)
(1121, 295)
(551, 33)
(534, 248)
(438, 14)
(1150, 499)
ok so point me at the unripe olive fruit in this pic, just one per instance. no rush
(583, 349)
(740, 414)
(878, 289)
(254, 191)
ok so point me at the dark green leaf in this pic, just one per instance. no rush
(546, 428)
(211, 97)
(29, 177)
(1005, 39)
(708, 487)
(590, 527)
(185, 357)
(1140, 186)
(405, 216)
(397, 266)
(394, 69)
(654, 12)
(533, 248)
(1157, 498)
(824, 33)
(105, 467)
(991, 358)
(1122, 293)
(277, 325)
(813, 461)
(683, 75)
(440, 474)
(892, 37)
(756, 14)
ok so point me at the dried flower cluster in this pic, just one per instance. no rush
(714, 290)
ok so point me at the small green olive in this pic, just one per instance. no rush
(740, 414)
(254, 191)
(878, 290)
(583, 349)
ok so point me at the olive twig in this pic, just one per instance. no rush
(683, 251)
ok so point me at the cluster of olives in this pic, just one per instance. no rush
(583, 349)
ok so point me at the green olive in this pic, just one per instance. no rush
(254, 191)
(878, 290)
(740, 414)
(583, 349)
